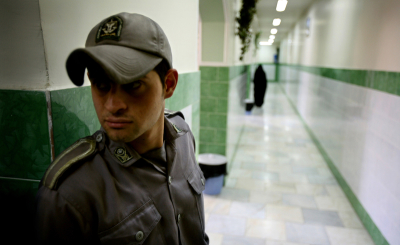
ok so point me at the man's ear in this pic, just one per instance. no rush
(171, 80)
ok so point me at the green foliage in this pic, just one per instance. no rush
(244, 20)
(256, 43)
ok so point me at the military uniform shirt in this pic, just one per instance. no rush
(115, 196)
(157, 158)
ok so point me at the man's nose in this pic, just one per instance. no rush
(115, 102)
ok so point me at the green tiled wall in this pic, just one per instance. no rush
(73, 115)
(214, 106)
(384, 81)
(25, 147)
(187, 93)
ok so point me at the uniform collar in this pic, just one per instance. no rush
(125, 155)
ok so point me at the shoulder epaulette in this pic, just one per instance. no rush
(170, 114)
(73, 155)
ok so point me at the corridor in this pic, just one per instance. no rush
(279, 190)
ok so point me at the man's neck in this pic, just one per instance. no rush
(152, 139)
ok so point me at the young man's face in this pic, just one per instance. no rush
(128, 111)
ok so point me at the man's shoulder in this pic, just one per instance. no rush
(173, 114)
(177, 120)
(71, 158)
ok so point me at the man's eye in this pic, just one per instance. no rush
(103, 86)
(132, 86)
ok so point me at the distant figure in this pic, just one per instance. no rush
(260, 86)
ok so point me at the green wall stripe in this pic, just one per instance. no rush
(369, 224)
(385, 81)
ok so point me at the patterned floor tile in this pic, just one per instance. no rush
(247, 210)
(311, 189)
(225, 224)
(298, 200)
(305, 233)
(215, 238)
(265, 197)
(266, 229)
(340, 236)
(237, 240)
(322, 217)
(284, 213)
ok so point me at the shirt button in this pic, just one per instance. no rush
(99, 137)
(139, 236)
(202, 181)
(169, 179)
(179, 217)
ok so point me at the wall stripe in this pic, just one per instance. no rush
(385, 81)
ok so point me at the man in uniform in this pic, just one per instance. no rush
(136, 180)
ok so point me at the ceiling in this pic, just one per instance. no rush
(266, 12)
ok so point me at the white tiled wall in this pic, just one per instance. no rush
(359, 128)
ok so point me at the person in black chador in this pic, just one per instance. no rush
(260, 86)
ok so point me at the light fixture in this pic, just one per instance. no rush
(265, 43)
(281, 5)
(271, 36)
(276, 22)
(271, 40)
(274, 31)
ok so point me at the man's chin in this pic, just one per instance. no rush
(119, 135)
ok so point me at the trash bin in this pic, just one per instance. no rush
(214, 169)
(249, 105)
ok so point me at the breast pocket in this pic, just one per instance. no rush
(137, 228)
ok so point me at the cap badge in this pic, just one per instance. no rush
(110, 29)
(122, 154)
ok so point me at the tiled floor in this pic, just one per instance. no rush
(279, 190)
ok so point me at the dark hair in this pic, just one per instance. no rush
(162, 69)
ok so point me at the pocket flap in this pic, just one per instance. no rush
(135, 228)
(197, 181)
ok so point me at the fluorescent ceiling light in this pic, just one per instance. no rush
(265, 43)
(271, 40)
(281, 5)
(276, 22)
(274, 31)
(271, 36)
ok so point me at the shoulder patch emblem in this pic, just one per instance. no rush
(176, 128)
(122, 154)
(110, 29)
(80, 150)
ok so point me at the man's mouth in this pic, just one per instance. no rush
(117, 123)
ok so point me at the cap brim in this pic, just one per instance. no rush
(121, 64)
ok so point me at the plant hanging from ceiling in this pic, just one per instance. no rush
(244, 20)
(256, 42)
